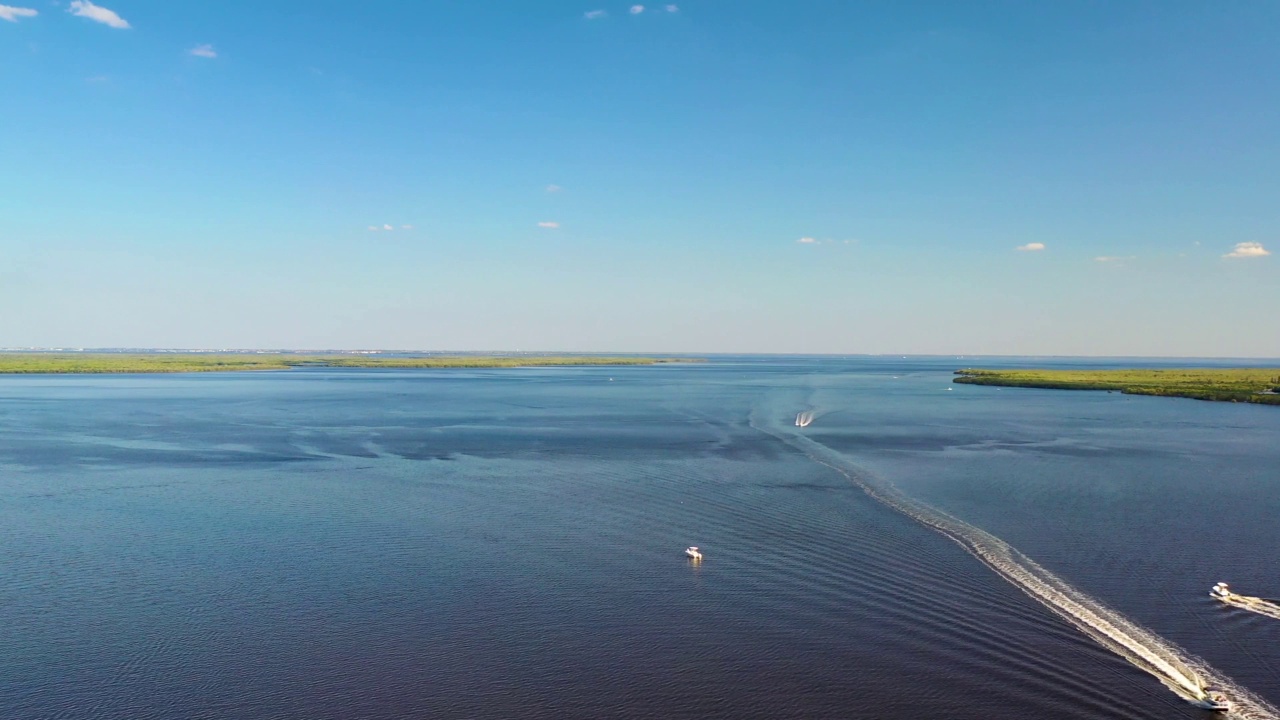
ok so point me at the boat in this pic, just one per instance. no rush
(1214, 700)
(1220, 591)
(693, 552)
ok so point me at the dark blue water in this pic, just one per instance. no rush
(467, 544)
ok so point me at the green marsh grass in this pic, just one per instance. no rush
(89, 363)
(1252, 385)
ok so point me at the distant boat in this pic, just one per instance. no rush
(1220, 591)
(693, 552)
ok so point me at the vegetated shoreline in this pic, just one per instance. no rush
(1251, 385)
(168, 362)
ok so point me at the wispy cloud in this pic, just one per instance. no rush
(1030, 247)
(826, 241)
(406, 227)
(1114, 259)
(1247, 250)
(636, 9)
(387, 227)
(549, 224)
(10, 13)
(673, 9)
(97, 13)
(554, 188)
(594, 14)
(204, 51)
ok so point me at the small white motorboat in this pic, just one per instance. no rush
(1214, 700)
(1220, 591)
(693, 552)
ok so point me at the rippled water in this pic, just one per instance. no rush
(459, 544)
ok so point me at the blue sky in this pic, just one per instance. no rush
(1094, 178)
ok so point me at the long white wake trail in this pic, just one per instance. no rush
(1180, 671)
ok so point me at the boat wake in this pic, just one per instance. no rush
(1181, 672)
(1262, 606)
(803, 419)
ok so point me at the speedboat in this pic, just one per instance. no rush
(693, 552)
(1214, 700)
(1220, 591)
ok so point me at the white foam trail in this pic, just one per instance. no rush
(1180, 671)
(1262, 606)
(803, 419)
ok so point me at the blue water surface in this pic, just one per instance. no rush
(326, 543)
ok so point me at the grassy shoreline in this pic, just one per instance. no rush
(113, 363)
(1251, 385)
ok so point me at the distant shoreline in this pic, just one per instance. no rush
(1250, 385)
(149, 363)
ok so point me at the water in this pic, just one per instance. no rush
(337, 544)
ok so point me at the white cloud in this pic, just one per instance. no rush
(549, 224)
(387, 227)
(554, 188)
(406, 227)
(204, 51)
(12, 14)
(1031, 247)
(636, 9)
(374, 228)
(826, 241)
(673, 8)
(594, 14)
(97, 13)
(1113, 258)
(1247, 250)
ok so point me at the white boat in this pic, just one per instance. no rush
(1214, 700)
(1220, 591)
(693, 552)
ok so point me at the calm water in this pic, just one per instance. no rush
(464, 544)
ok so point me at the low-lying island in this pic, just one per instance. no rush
(176, 362)
(1251, 385)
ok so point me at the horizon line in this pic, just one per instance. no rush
(401, 351)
